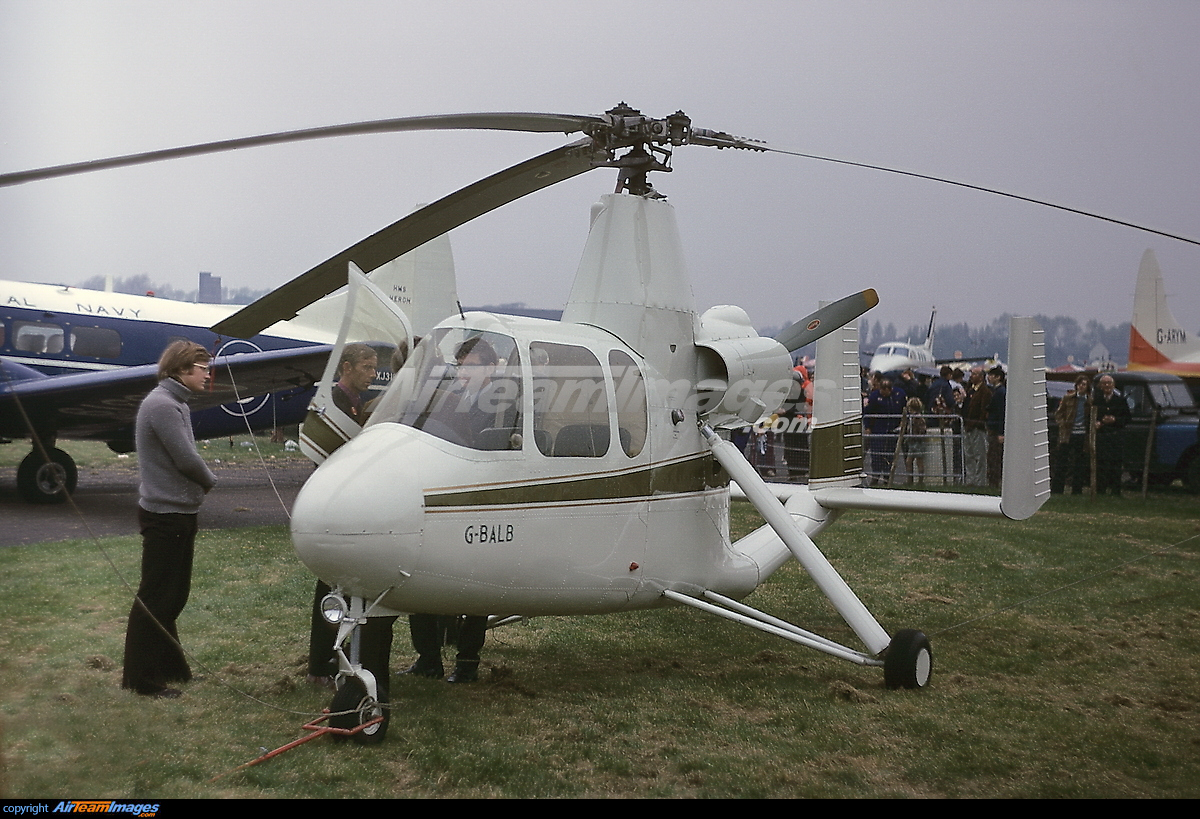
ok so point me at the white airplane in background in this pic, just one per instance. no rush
(1157, 342)
(896, 356)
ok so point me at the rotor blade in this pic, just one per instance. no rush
(515, 121)
(723, 140)
(827, 319)
(412, 231)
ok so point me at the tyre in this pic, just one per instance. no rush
(352, 698)
(908, 662)
(42, 481)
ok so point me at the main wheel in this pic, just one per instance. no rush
(42, 481)
(352, 697)
(908, 661)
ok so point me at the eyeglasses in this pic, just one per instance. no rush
(201, 366)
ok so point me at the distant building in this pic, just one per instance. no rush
(210, 289)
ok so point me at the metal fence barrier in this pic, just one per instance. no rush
(780, 452)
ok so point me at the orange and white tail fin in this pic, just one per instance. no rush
(1156, 341)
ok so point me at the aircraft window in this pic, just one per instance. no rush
(37, 337)
(95, 342)
(631, 402)
(1171, 394)
(570, 405)
(463, 386)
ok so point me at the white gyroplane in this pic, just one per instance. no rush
(517, 467)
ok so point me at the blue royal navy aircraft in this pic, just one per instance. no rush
(75, 363)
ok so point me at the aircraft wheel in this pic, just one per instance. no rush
(40, 481)
(352, 697)
(908, 662)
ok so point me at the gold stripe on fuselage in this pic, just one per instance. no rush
(696, 473)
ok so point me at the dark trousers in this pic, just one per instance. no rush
(428, 636)
(1076, 460)
(153, 657)
(995, 460)
(1109, 448)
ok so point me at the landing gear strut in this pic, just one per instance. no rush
(47, 481)
(359, 694)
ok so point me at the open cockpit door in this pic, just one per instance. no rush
(372, 323)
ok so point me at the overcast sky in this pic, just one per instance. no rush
(1093, 105)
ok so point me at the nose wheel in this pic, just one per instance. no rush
(360, 708)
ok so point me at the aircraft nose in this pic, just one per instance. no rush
(357, 521)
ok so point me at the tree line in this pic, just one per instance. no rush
(141, 284)
(1067, 341)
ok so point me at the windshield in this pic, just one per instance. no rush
(464, 386)
(1170, 393)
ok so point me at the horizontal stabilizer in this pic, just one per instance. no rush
(1026, 478)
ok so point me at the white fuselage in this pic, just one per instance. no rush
(447, 528)
(900, 355)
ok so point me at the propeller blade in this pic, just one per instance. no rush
(515, 121)
(412, 231)
(827, 319)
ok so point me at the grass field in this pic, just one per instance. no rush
(1066, 660)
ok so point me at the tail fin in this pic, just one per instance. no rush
(1026, 476)
(421, 283)
(837, 446)
(1156, 341)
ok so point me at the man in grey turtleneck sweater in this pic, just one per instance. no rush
(174, 481)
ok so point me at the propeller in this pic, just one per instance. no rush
(827, 319)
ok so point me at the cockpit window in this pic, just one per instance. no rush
(570, 405)
(463, 386)
(631, 402)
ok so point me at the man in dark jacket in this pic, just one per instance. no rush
(975, 432)
(995, 426)
(1111, 414)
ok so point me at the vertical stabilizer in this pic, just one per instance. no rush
(1156, 341)
(1026, 482)
(837, 447)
